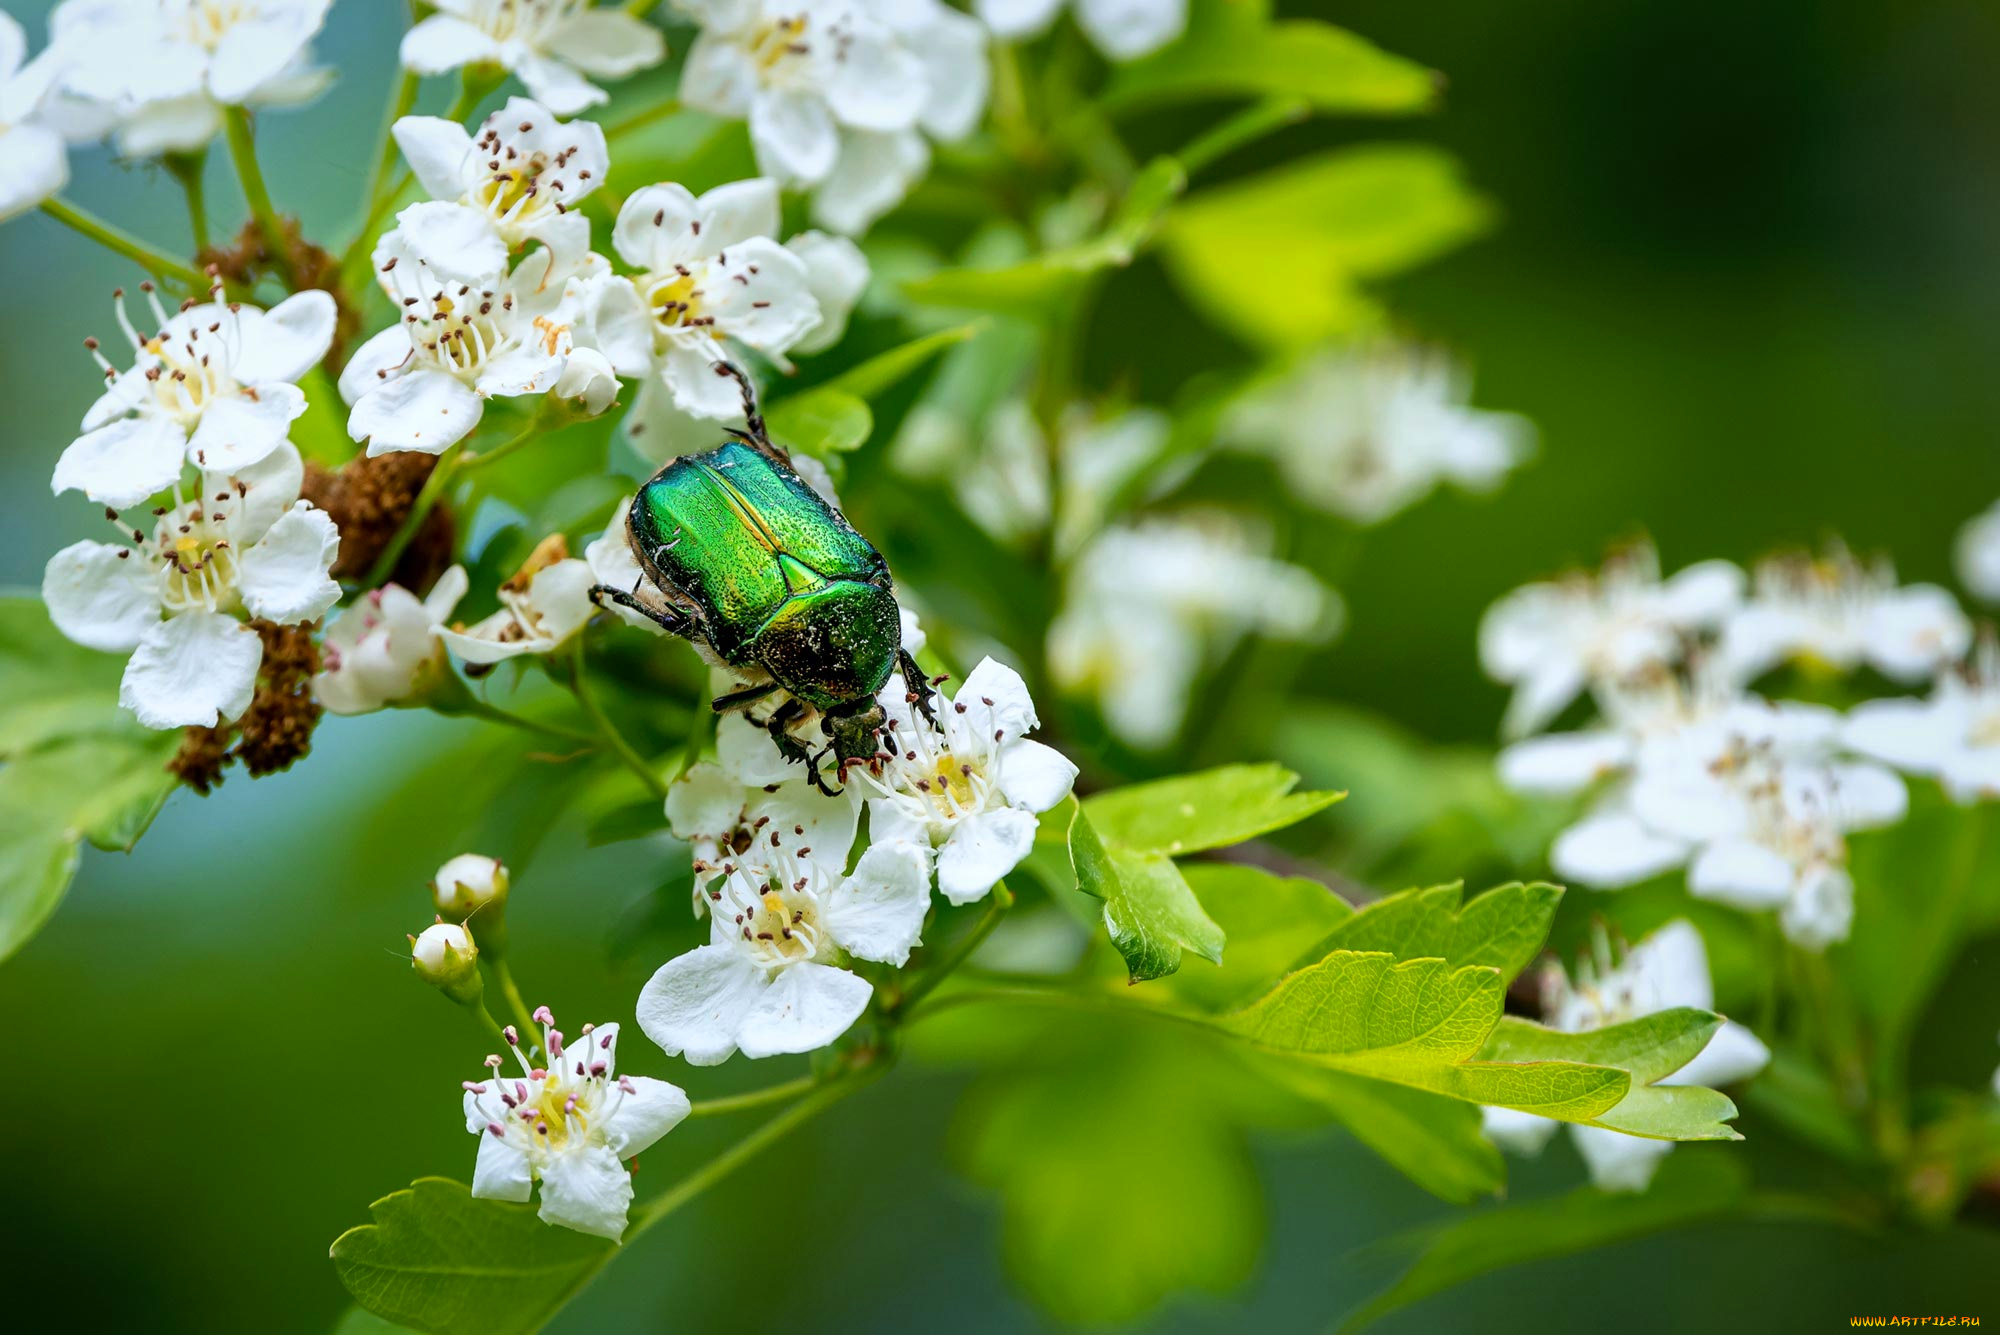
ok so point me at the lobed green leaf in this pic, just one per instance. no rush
(821, 422)
(1264, 917)
(1502, 929)
(1211, 809)
(1149, 910)
(437, 1260)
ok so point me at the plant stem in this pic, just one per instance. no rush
(527, 434)
(480, 1013)
(434, 487)
(402, 97)
(643, 117)
(190, 169)
(1097, 1003)
(522, 1015)
(746, 1149)
(756, 1098)
(150, 257)
(1002, 900)
(243, 151)
(1245, 127)
(579, 684)
(475, 707)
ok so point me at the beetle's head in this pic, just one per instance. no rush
(854, 727)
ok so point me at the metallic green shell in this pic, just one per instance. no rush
(778, 577)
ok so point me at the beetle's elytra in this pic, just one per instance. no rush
(755, 565)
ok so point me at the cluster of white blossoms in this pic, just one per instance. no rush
(1150, 604)
(1369, 431)
(955, 800)
(1667, 969)
(1689, 768)
(842, 97)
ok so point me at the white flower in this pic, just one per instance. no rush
(1370, 431)
(245, 542)
(160, 71)
(213, 387)
(1765, 801)
(711, 279)
(1977, 554)
(1666, 970)
(1836, 612)
(569, 1125)
(1148, 605)
(1550, 640)
(1121, 29)
(769, 980)
(422, 384)
(34, 164)
(385, 648)
(542, 605)
(550, 45)
(1954, 736)
(516, 183)
(970, 787)
(839, 93)
(725, 815)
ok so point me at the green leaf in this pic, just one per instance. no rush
(1651, 1047)
(1502, 929)
(1689, 1188)
(1036, 287)
(1233, 50)
(1419, 1023)
(361, 1321)
(1279, 259)
(73, 766)
(1264, 918)
(437, 1260)
(1149, 910)
(1433, 1140)
(1211, 809)
(884, 371)
(821, 422)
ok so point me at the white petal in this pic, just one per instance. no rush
(695, 1004)
(269, 487)
(953, 47)
(456, 240)
(289, 339)
(719, 77)
(501, 1171)
(806, 1007)
(1916, 735)
(1128, 29)
(649, 1111)
(1613, 850)
(1542, 694)
(557, 85)
(688, 370)
(1690, 802)
(995, 700)
(443, 42)
(532, 369)
(889, 823)
(1976, 555)
(1564, 762)
(1733, 1054)
(121, 464)
(101, 596)
(1821, 910)
(425, 410)
(1619, 1162)
(437, 150)
(256, 48)
(608, 43)
(878, 912)
(175, 125)
(759, 296)
(1702, 595)
(1670, 968)
(238, 430)
(1016, 19)
(748, 754)
(192, 670)
(871, 175)
(1517, 1132)
(983, 847)
(794, 136)
(658, 227)
(1911, 632)
(1034, 777)
(284, 575)
(878, 83)
(373, 363)
(703, 802)
(1973, 776)
(560, 596)
(33, 165)
(836, 275)
(1867, 796)
(587, 1189)
(1742, 874)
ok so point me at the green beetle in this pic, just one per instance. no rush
(758, 569)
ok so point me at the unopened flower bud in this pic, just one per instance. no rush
(472, 888)
(445, 957)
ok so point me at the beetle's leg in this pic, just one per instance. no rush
(919, 686)
(604, 594)
(754, 420)
(791, 748)
(749, 695)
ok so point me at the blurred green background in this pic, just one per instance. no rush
(1745, 281)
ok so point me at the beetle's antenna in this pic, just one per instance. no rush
(751, 417)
